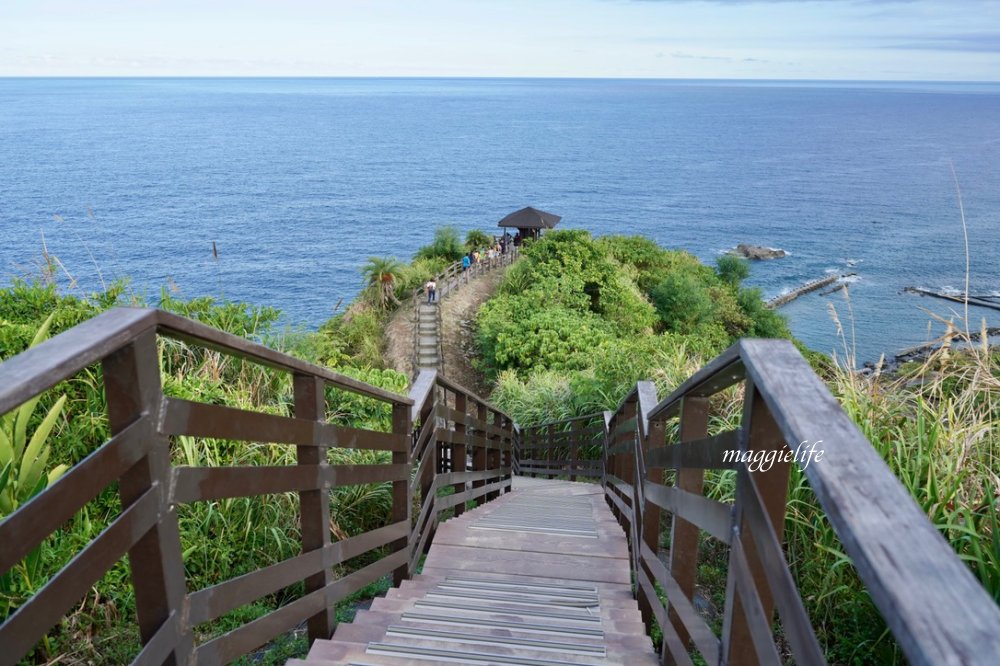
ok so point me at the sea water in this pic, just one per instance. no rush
(297, 181)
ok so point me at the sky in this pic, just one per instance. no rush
(942, 40)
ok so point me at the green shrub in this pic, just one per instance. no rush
(683, 302)
(447, 245)
(732, 269)
(477, 240)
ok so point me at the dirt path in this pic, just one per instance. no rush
(458, 313)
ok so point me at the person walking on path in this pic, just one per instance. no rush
(431, 289)
(466, 261)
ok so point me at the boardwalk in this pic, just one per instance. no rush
(540, 576)
(427, 334)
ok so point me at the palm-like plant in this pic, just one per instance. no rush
(23, 460)
(381, 273)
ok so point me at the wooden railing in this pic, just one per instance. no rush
(935, 608)
(448, 280)
(137, 457)
(461, 444)
(453, 276)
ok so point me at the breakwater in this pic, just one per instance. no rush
(808, 287)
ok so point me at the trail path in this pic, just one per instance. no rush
(458, 312)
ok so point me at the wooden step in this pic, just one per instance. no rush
(537, 577)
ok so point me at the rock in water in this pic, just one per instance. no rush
(757, 252)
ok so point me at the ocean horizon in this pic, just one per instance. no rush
(298, 180)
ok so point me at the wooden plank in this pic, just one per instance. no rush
(757, 618)
(29, 623)
(687, 497)
(422, 392)
(931, 601)
(451, 478)
(351, 583)
(672, 643)
(760, 434)
(458, 459)
(356, 438)
(252, 635)
(32, 523)
(215, 601)
(133, 390)
(623, 488)
(705, 453)
(197, 484)
(185, 417)
(402, 501)
(314, 501)
(724, 371)
(459, 499)
(709, 515)
(794, 620)
(652, 435)
(158, 649)
(683, 608)
(354, 475)
(178, 327)
(40, 368)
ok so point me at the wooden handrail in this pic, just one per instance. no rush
(448, 280)
(935, 608)
(137, 458)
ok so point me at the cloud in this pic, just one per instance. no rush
(972, 42)
(691, 56)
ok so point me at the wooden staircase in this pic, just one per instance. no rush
(538, 577)
(428, 337)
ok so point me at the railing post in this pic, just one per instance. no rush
(402, 501)
(310, 403)
(759, 433)
(134, 391)
(480, 451)
(495, 457)
(606, 460)
(516, 448)
(574, 451)
(684, 535)
(651, 514)
(459, 461)
(550, 452)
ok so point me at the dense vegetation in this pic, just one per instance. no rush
(577, 321)
(221, 539)
(574, 325)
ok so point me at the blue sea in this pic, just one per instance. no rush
(298, 181)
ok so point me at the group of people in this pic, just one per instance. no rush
(501, 245)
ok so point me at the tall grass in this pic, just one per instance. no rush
(220, 539)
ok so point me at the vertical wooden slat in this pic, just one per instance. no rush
(133, 390)
(651, 513)
(479, 453)
(427, 412)
(574, 452)
(310, 403)
(628, 471)
(760, 433)
(684, 535)
(458, 451)
(402, 424)
(494, 457)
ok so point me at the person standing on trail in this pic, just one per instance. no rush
(466, 261)
(431, 288)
